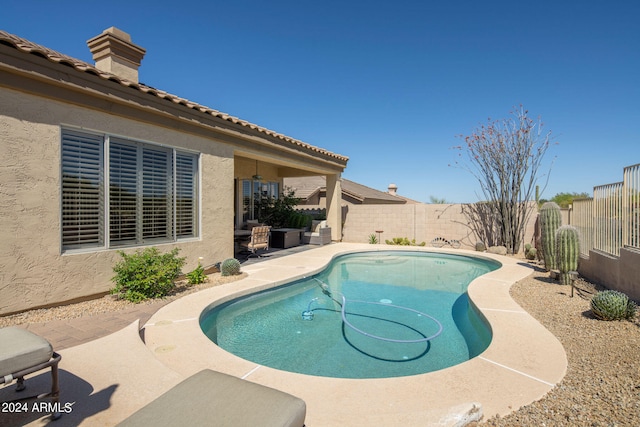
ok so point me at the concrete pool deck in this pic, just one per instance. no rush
(111, 377)
(523, 362)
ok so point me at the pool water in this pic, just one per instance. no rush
(385, 294)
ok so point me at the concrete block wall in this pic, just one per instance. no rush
(422, 222)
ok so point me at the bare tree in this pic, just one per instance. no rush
(505, 157)
(482, 220)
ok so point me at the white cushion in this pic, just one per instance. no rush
(21, 349)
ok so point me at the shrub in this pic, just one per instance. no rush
(230, 267)
(146, 274)
(373, 240)
(404, 241)
(612, 305)
(197, 276)
(278, 211)
(298, 220)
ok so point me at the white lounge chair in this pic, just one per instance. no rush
(22, 353)
(210, 399)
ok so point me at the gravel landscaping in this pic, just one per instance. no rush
(110, 303)
(602, 385)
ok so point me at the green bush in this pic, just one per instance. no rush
(146, 274)
(612, 305)
(230, 267)
(298, 220)
(404, 241)
(197, 276)
(373, 240)
(278, 211)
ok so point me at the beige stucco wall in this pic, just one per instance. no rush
(619, 273)
(422, 222)
(33, 271)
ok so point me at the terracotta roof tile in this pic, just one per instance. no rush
(26, 46)
(306, 186)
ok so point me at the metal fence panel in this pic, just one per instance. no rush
(582, 219)
(631, 206)
(608, 222)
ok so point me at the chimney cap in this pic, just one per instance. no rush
(114, 52)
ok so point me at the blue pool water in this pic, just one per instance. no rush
(400, 296)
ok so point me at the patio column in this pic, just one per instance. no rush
(334, 209)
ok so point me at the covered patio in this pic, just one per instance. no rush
(260, 174)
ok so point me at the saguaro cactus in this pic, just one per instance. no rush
(567, 251)
(550, 219)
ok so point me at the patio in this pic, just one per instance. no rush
(523, 362)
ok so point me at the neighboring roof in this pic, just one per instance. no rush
(305, 187)
(28, 47)
(364, 193)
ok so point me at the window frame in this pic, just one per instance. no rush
(147, 188)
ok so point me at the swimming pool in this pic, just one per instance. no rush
(400, 296)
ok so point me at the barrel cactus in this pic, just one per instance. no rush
(567, 251)
(612, 305)
(530, 252)
(230, 267)
(550, 220)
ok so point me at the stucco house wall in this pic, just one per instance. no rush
(34, 269)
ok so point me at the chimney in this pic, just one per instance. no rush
(114, 53)
(393, 189)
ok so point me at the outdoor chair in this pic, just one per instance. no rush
(320, 234)
(211, 398)
(259, 240)
(22, 353)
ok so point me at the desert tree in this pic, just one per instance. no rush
(506, 157)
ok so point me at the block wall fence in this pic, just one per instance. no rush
(422, 222)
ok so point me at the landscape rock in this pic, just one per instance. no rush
(498, 250)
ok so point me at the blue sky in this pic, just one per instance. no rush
(390, 84)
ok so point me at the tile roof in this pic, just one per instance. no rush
(306, 186)
(363, 192)
(29, 47)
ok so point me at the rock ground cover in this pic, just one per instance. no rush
(602, 385)
(109, 303)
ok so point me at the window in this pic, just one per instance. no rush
(82, 190)
(151, 195)
(186, 195)
(252, 193)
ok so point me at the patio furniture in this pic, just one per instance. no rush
(259, 240)
(211, 398)
(320, 234)
(22, 353)
(284, 238)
